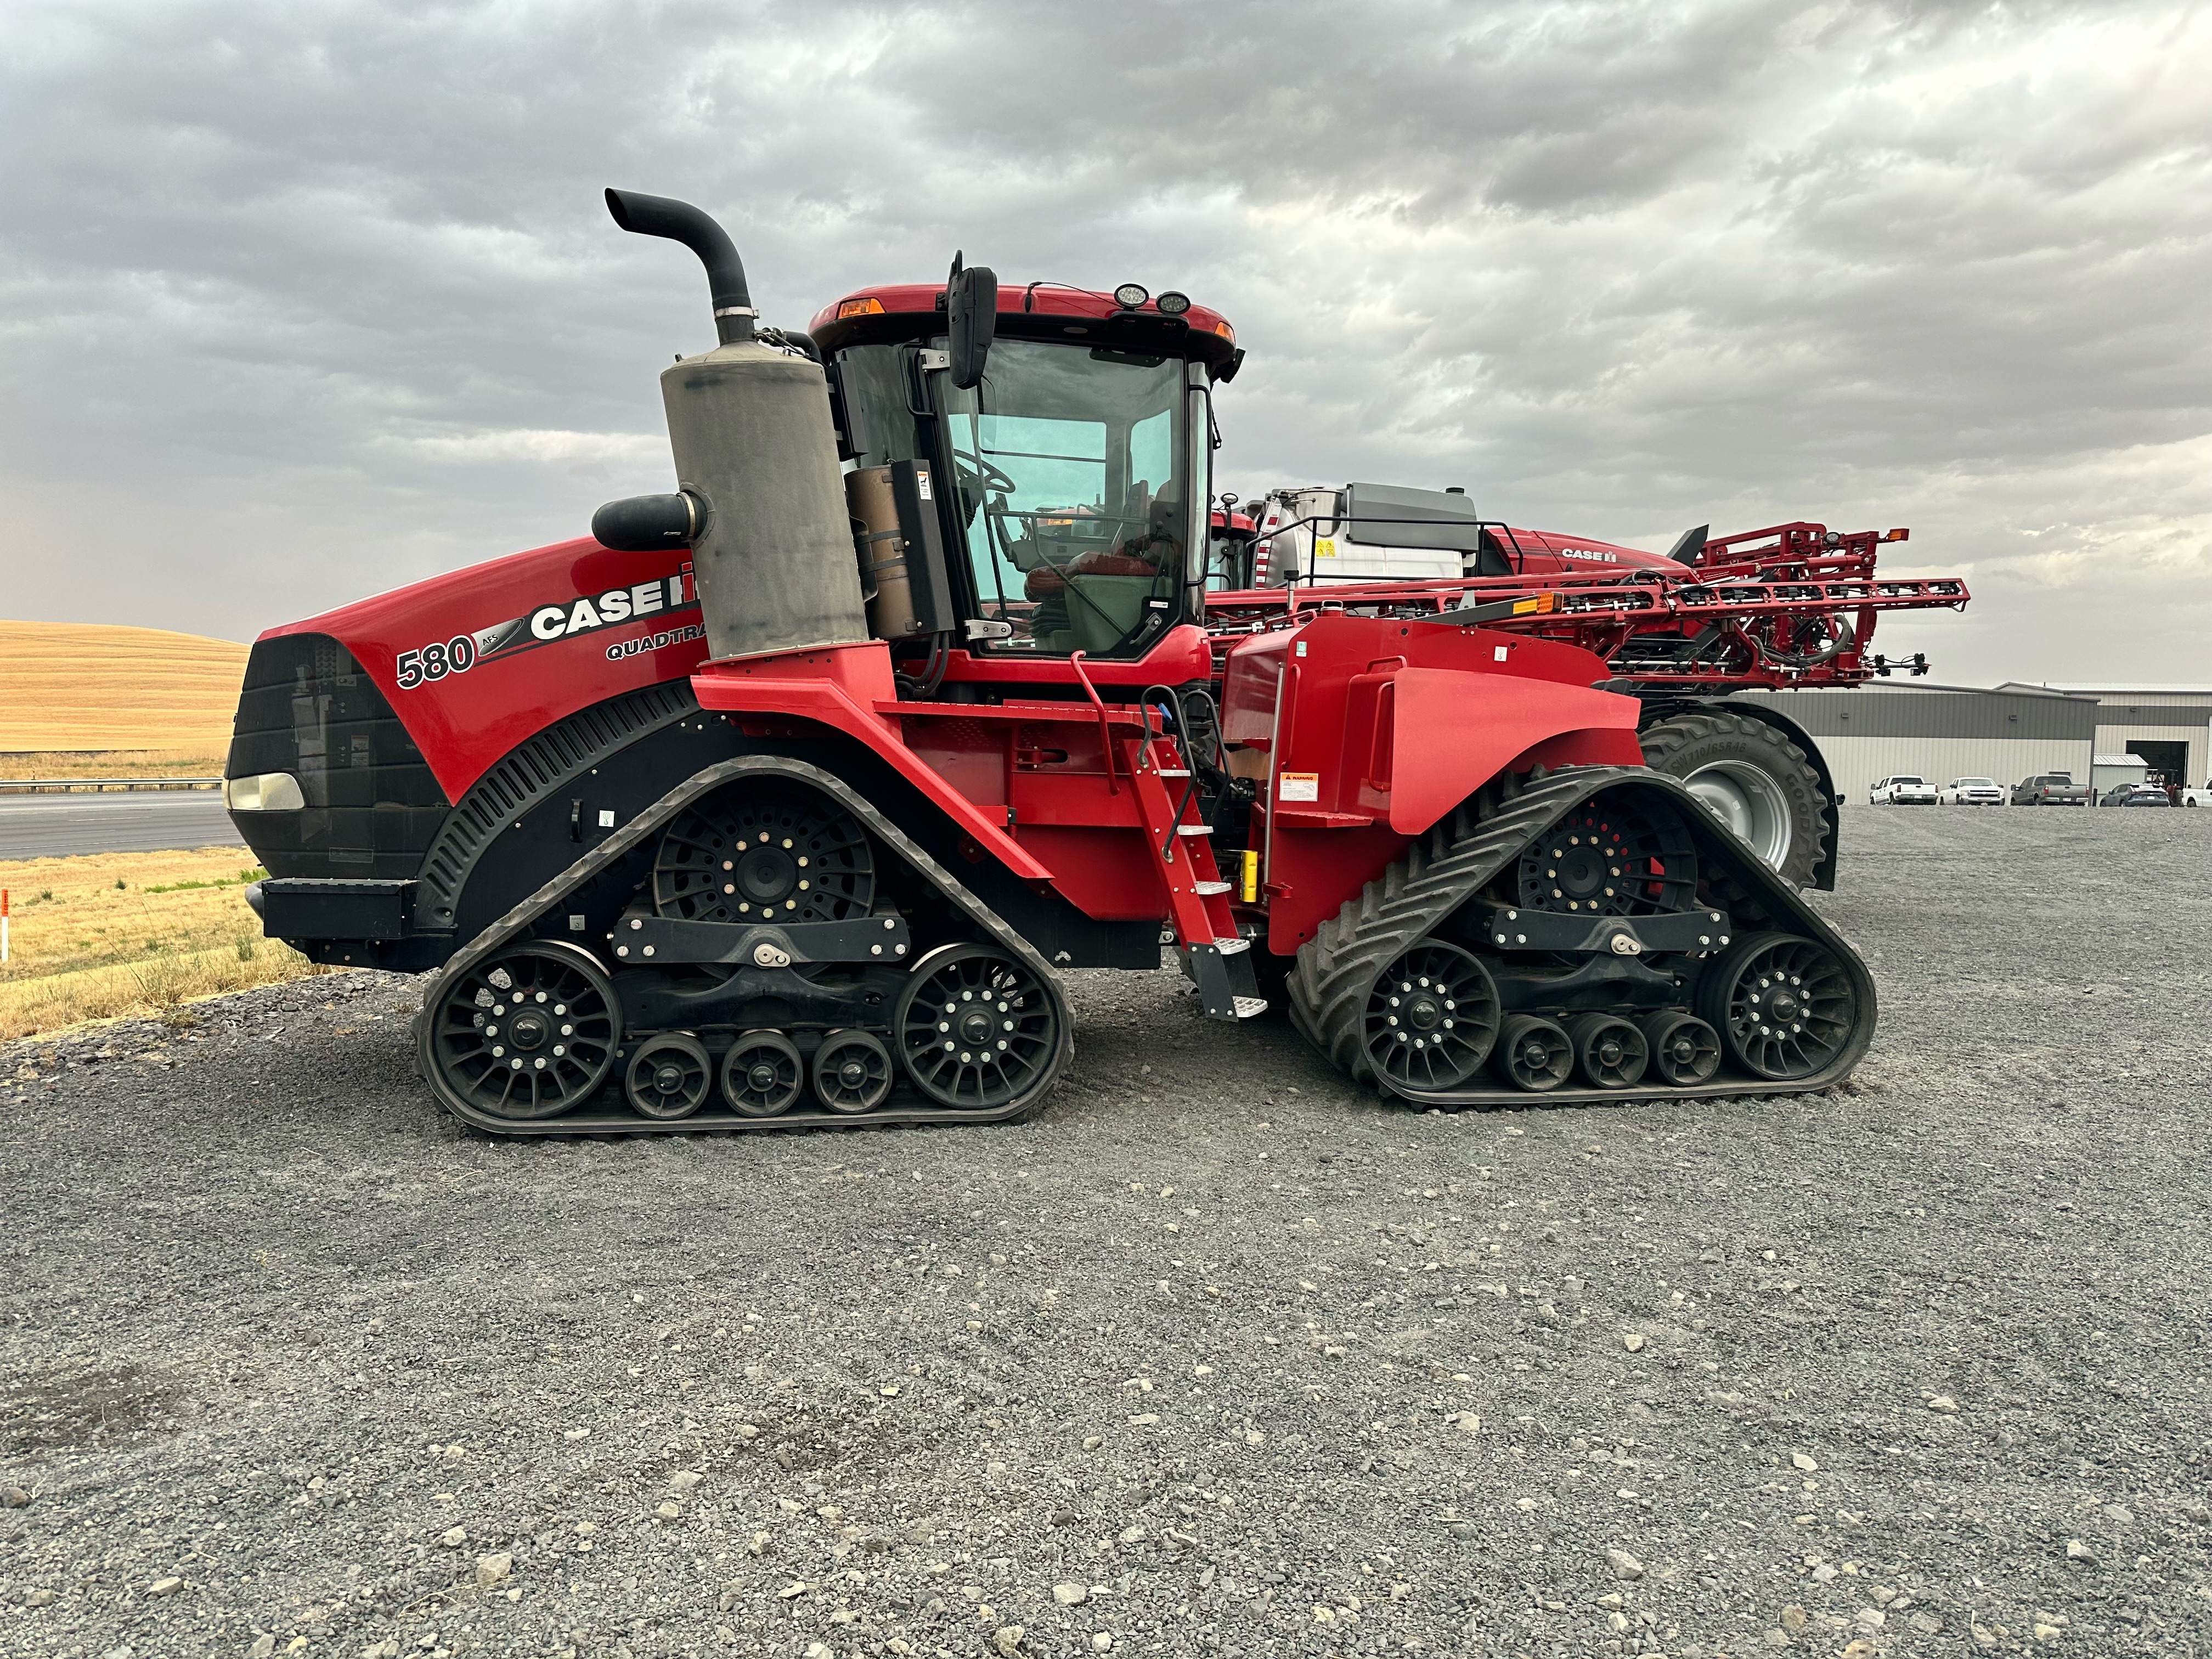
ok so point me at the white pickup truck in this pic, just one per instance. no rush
(1904, 790)
(2197, 797)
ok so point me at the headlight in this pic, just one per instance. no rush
(266, 791)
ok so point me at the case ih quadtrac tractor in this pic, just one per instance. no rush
(785, 797)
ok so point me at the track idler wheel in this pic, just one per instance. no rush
(1610, 1052)
(762, 1074)
(1533, 1054)
(1685, 1052)
(669, 1077)
(527, 1033)
(1431, 1017)
(976, 1027)
(1784, 1005)
(852, 1071)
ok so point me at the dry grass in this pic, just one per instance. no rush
(87, 685)
(121, 933)
(113, 763)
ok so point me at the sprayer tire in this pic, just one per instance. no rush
(1753, 779)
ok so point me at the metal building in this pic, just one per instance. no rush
(1945, 732)
(2169, 726)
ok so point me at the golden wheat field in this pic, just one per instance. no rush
(88, 685)
(120, 933)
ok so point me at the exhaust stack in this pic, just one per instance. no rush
(679, 221)
(761, 500)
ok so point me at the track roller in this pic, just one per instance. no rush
(526, 1032)
(669, 1077)
(1685, 1050)
(1533, 1054)
(762, 1074)
(1784, 1005)
(853, 1072)
(1432, 1018)
(1610, 1053)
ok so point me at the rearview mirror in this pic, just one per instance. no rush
(971, 315)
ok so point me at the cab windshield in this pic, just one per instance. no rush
(1076, 467)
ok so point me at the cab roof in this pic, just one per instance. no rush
(1036, 311)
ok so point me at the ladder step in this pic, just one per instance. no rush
(1194, 828)
(1247, 1007)
(1229, 947)
(1208, 889)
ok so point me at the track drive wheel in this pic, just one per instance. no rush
(1784, 1005)
(1685, 1052)
(976, 1028)
(527, 1033)
(762, 1074)
(1610, 1052)
(669, 1077)
(1751, 778)
(1431, 1017)
(853, 1072)
(1533, 1054)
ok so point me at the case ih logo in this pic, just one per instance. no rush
(663, 597)
(565, 619)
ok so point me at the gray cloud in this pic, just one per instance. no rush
(301, 302)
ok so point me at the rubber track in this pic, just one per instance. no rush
(1338, 966)
(1337, 969)
(516, 925)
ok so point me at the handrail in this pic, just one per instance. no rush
(64, 785)
(1105, 729)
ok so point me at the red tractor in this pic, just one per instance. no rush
(785, 797)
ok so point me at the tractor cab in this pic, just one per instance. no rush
(1066, 460)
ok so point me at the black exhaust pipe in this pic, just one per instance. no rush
(662, 216)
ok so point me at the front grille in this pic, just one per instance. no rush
(373, 806)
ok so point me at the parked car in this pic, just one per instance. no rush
(2134, 794)
(1972, 792)
(1903, 790)
(2197, 797)
(2051, 789)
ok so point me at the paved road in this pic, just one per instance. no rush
(58, 826)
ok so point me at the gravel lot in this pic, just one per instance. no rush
(1213, 1357)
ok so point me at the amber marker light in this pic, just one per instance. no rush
(859, 308)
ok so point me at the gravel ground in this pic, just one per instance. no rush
(1213, 1357)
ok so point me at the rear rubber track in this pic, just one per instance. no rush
(1441, 870)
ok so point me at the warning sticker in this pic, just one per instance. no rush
(1324, 548)
(1298, 786)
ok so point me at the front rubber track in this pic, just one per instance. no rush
(1441, 870)
(519, 922)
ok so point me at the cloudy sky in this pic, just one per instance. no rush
(299, 302)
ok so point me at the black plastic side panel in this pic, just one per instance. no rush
(373, 805)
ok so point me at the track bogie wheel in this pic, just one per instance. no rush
(1533, 1054)
(1611, 858)
(776, 855)
(1685, 1052)
(762, 1074)
(1784, 1005)
(669, 1077)
(1431, 1017)
(526, 1033)
(978, 1028)
(1610, 1053)
(853, 1072)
